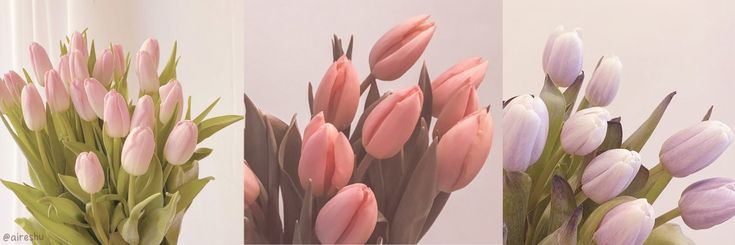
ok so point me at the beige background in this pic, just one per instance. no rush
(288, 44)
(665, 46)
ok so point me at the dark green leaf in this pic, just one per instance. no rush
(516, 190)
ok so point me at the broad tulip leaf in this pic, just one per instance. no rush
(201, 153)
(415, 205)
(562, 203)
(589, 227)
(641, 135)
(32, 227)
(566, 234)
(668, 234)
(211, 126)
(64, 210)
(157, 222)
(639, 181)
(103, 210)
(556, 106)
(150, 183)
(72, 185)
(190, 190)
(439, 201)
(256, 135)
(118, 215)
(516, 190)
(130, 225)
(289, 153)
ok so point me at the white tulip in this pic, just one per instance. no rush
(707, 203)
(610, 173)
(562, 59)
(525, 130)
(584, 131)
(605, 82)
(695, 147)
(628, 223)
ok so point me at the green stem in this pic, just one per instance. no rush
(44, 158)
(580, 197)
(131, 192)
(658, 179)
(97, 224)
(584, 104)
(671, 214)
(362, 169)
(543, 178)
(167, 171)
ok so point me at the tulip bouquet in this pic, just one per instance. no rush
(383, 180)
(100, 175)
(569, 176)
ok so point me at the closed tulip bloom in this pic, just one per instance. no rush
(96, 96)
(349, 217)
(524, 136)
(147, 73)
(339, 93)
(117, 116)
(605, 82)
(150, 46)
(65, 69)
(5, 97)
(118, 61)
(391, 122)
(462, 103)
(462, 151)
(181, 142)
(584, 131)
(251, 185)
(15, 84)
(144, 114)
(326, 160)
(78, 66)
(468, 72)
(137, 151)
(34, 113)
(79, 43)
(628, 223)
(314, 125)
(172, 99)
(81, 102)
(708, 202)
(562, 59)
(103, 68)
(695, 147)
(41, 62)
(89, 172)
(56, 95)
(610, 173)
(399, 48)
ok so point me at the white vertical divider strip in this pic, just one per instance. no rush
(238, 90)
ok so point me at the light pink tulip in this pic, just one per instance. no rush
(339, 93)
(144, 114)
(103, 68)
(96, 96)
(399, 48)
(79, 42)
(78, 66)
(251, 185)
(470, 71)
(81, 102)
(562, 59)
(349, 217)
(181, 142)
(56, 95)
(147, 73)
(462, 151)
(462, 103)
(627, 223)
(5, 97)
(137, 151)
(327, 160)
(172, 98)
(695, 147)
(314, 125)
(14, 83)
(116, 115)
(390, 124)
(65, 69)
(89, 172)
(150, 46)
(41, 62)
(34, 113)
(118, 61)
(708, 202)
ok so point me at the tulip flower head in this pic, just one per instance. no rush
(147, 73)
(65, 69)
(56, 95)
(143, 116)
(79, 43)
(708, 202)
(103, 68)
(339, 93)
(41, 62)
(524, 137)
(562, 59)
(604, 82)
(468, 72)
(118, 61)
(81, 103)
(627, 223)
(349, 217)
(150, 46)
(34, 112)
(462, 151)
(14, 84)
(326, 160)
(181, 142)
(695, 147)
(251, 185)
(78, 65)
(89, 172)
(462, 103)
(584, 131)
(117, 116)
(391, 122)
(96, 95)
(610, 173)
(314, 125)
(172, 99)
(137, 151)
(399, 48)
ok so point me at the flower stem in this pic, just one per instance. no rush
(95, 213)
(131, 192)
(362, 169)
(671, 214)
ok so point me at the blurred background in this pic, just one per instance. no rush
(210, 37)
(288, 44)
(665, 46)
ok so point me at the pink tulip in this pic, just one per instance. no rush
(172, 98)
(89, 172)
(41, 62)
(251, 185)
(137, 151)
(56, 95)
(103, 68)
(34, 113)
(144, 114)
(150, 46)
(326, 160)
(314, 125)
(147, 73)
(116, 115)
(339, 93)
(470, 71)
(462, 103)
(349, 217)
(390, 124)
(399, 48)
(14, 83)
(65, 69)
(118, 61)
(5, 98)
(96, 96)
(78, 66)
(79, 42)
(81, 102)
(462, 151)
(181, 142)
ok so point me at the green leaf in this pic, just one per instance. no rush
(304, 231)
(64, 210)
(289, 153)
(516, 190)
(567, 232)
(169, 72)
(118, 215)
(188, 108)
(129, 229)
(668, 234)
(556, 106)
(562, 203)
(150, 183)
(593, 221)
(639, 181)
(32, 228)
(205, 112)
(155, 224)
(571, 93)
(708, 114)
(190, 190)
(92, 59)
(72, 185)
(211, 126)
(201, 153)
(639, 138)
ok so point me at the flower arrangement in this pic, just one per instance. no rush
(570, 177)
(384, 179)
(102, 170)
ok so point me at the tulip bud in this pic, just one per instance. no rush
(56, 95)
(349, 217)
(118, 61)
(339, 93)
(462, 103)
(610, 173)
(144, 114)
(79, 42)
(147, 73)
(251, 185)
(562, 59)
(399, 48)
(89, 172)
(390, 124)
(326, 160)
(584, 131)
(181, 142)
(5, 97)
(468, 72)
(41, 62)
(81, 102)
(627, 223)
(605, 82)
(525, 138)
(34, 113)
(137, 151)
(462, 151)
(708, 202)
(65, 69)
(695, 147)
(314, 125)
(172, 98)
(103, 68)
(96, 96)
(150, 46)
(15, 84)
(116, 115)
(78, 66)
